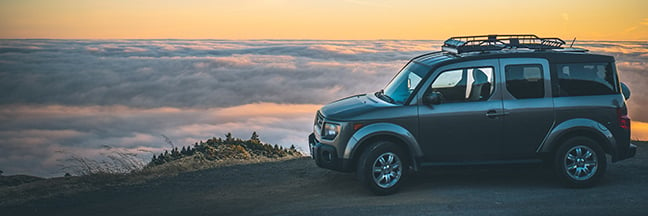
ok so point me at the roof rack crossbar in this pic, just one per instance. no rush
(498, 42)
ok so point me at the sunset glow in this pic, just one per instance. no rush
(181, 71)
(318, 19)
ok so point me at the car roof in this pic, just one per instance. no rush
(465, 48)
(554, 56)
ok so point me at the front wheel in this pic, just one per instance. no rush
(382, 167)
(580, 162)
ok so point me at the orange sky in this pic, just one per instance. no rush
(321, 19)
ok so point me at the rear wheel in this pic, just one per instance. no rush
(381, 167)
(580, 162)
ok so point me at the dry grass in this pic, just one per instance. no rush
(115, 163)
(199, 162)
(116, 171)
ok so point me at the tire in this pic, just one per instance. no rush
(381, 167)
(580, 162)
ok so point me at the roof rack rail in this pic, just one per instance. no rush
(464, 44)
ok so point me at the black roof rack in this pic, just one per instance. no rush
(464, 44)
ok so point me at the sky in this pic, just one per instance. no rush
(194, 69)
(321, 19)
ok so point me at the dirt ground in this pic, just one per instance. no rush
(298, 187)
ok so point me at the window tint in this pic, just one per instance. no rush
(525, 81)
(469, 84)
(585, 79)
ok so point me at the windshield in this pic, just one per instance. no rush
(402, 86)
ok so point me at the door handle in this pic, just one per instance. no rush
(494, 113)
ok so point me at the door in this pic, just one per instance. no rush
(467, 124)
(528, 104)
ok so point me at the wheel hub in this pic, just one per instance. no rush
(387, 170)
(581, 162)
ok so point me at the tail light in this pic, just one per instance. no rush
(624, 119)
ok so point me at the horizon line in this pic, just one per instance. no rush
(276, 39)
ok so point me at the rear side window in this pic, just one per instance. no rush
(585, 79)
(525, 81)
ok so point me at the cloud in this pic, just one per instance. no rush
(44, 134)
(615, 48)
(62, 97)
(343, 49)
(144, 74)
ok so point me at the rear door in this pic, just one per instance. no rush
(528, 106)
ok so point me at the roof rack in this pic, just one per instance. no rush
(464, 44)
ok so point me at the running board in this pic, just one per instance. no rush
(495, 162)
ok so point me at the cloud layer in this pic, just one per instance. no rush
(194, 73)
(63, 97)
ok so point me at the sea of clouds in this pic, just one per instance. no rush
(63, 98)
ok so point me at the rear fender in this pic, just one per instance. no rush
(580, 126)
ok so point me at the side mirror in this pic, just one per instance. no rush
(432, 98)
(625, 90)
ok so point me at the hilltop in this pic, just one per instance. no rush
(124, 170)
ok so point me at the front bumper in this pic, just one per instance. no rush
(326, 156)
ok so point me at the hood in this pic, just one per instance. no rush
(352, 108)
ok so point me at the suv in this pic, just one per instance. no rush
(491, 99)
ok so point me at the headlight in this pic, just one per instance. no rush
(330, 131)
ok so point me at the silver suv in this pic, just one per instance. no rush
(488, 99)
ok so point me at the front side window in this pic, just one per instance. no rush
(586, 79)
(467, 84)
(402, 86)
(525, 81)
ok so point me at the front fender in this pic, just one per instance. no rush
(574, 126)
(377, 129)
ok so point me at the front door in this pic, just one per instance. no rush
(467, 124)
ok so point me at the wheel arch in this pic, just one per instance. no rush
(383, 131)
(579, 127)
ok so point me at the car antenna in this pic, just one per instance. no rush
(572, 43)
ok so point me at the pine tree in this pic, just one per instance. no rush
(228, 137)
(161, 158)
(175, 154)
(166, 156)
(292, 150)
(255, 136)
(190, 151)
